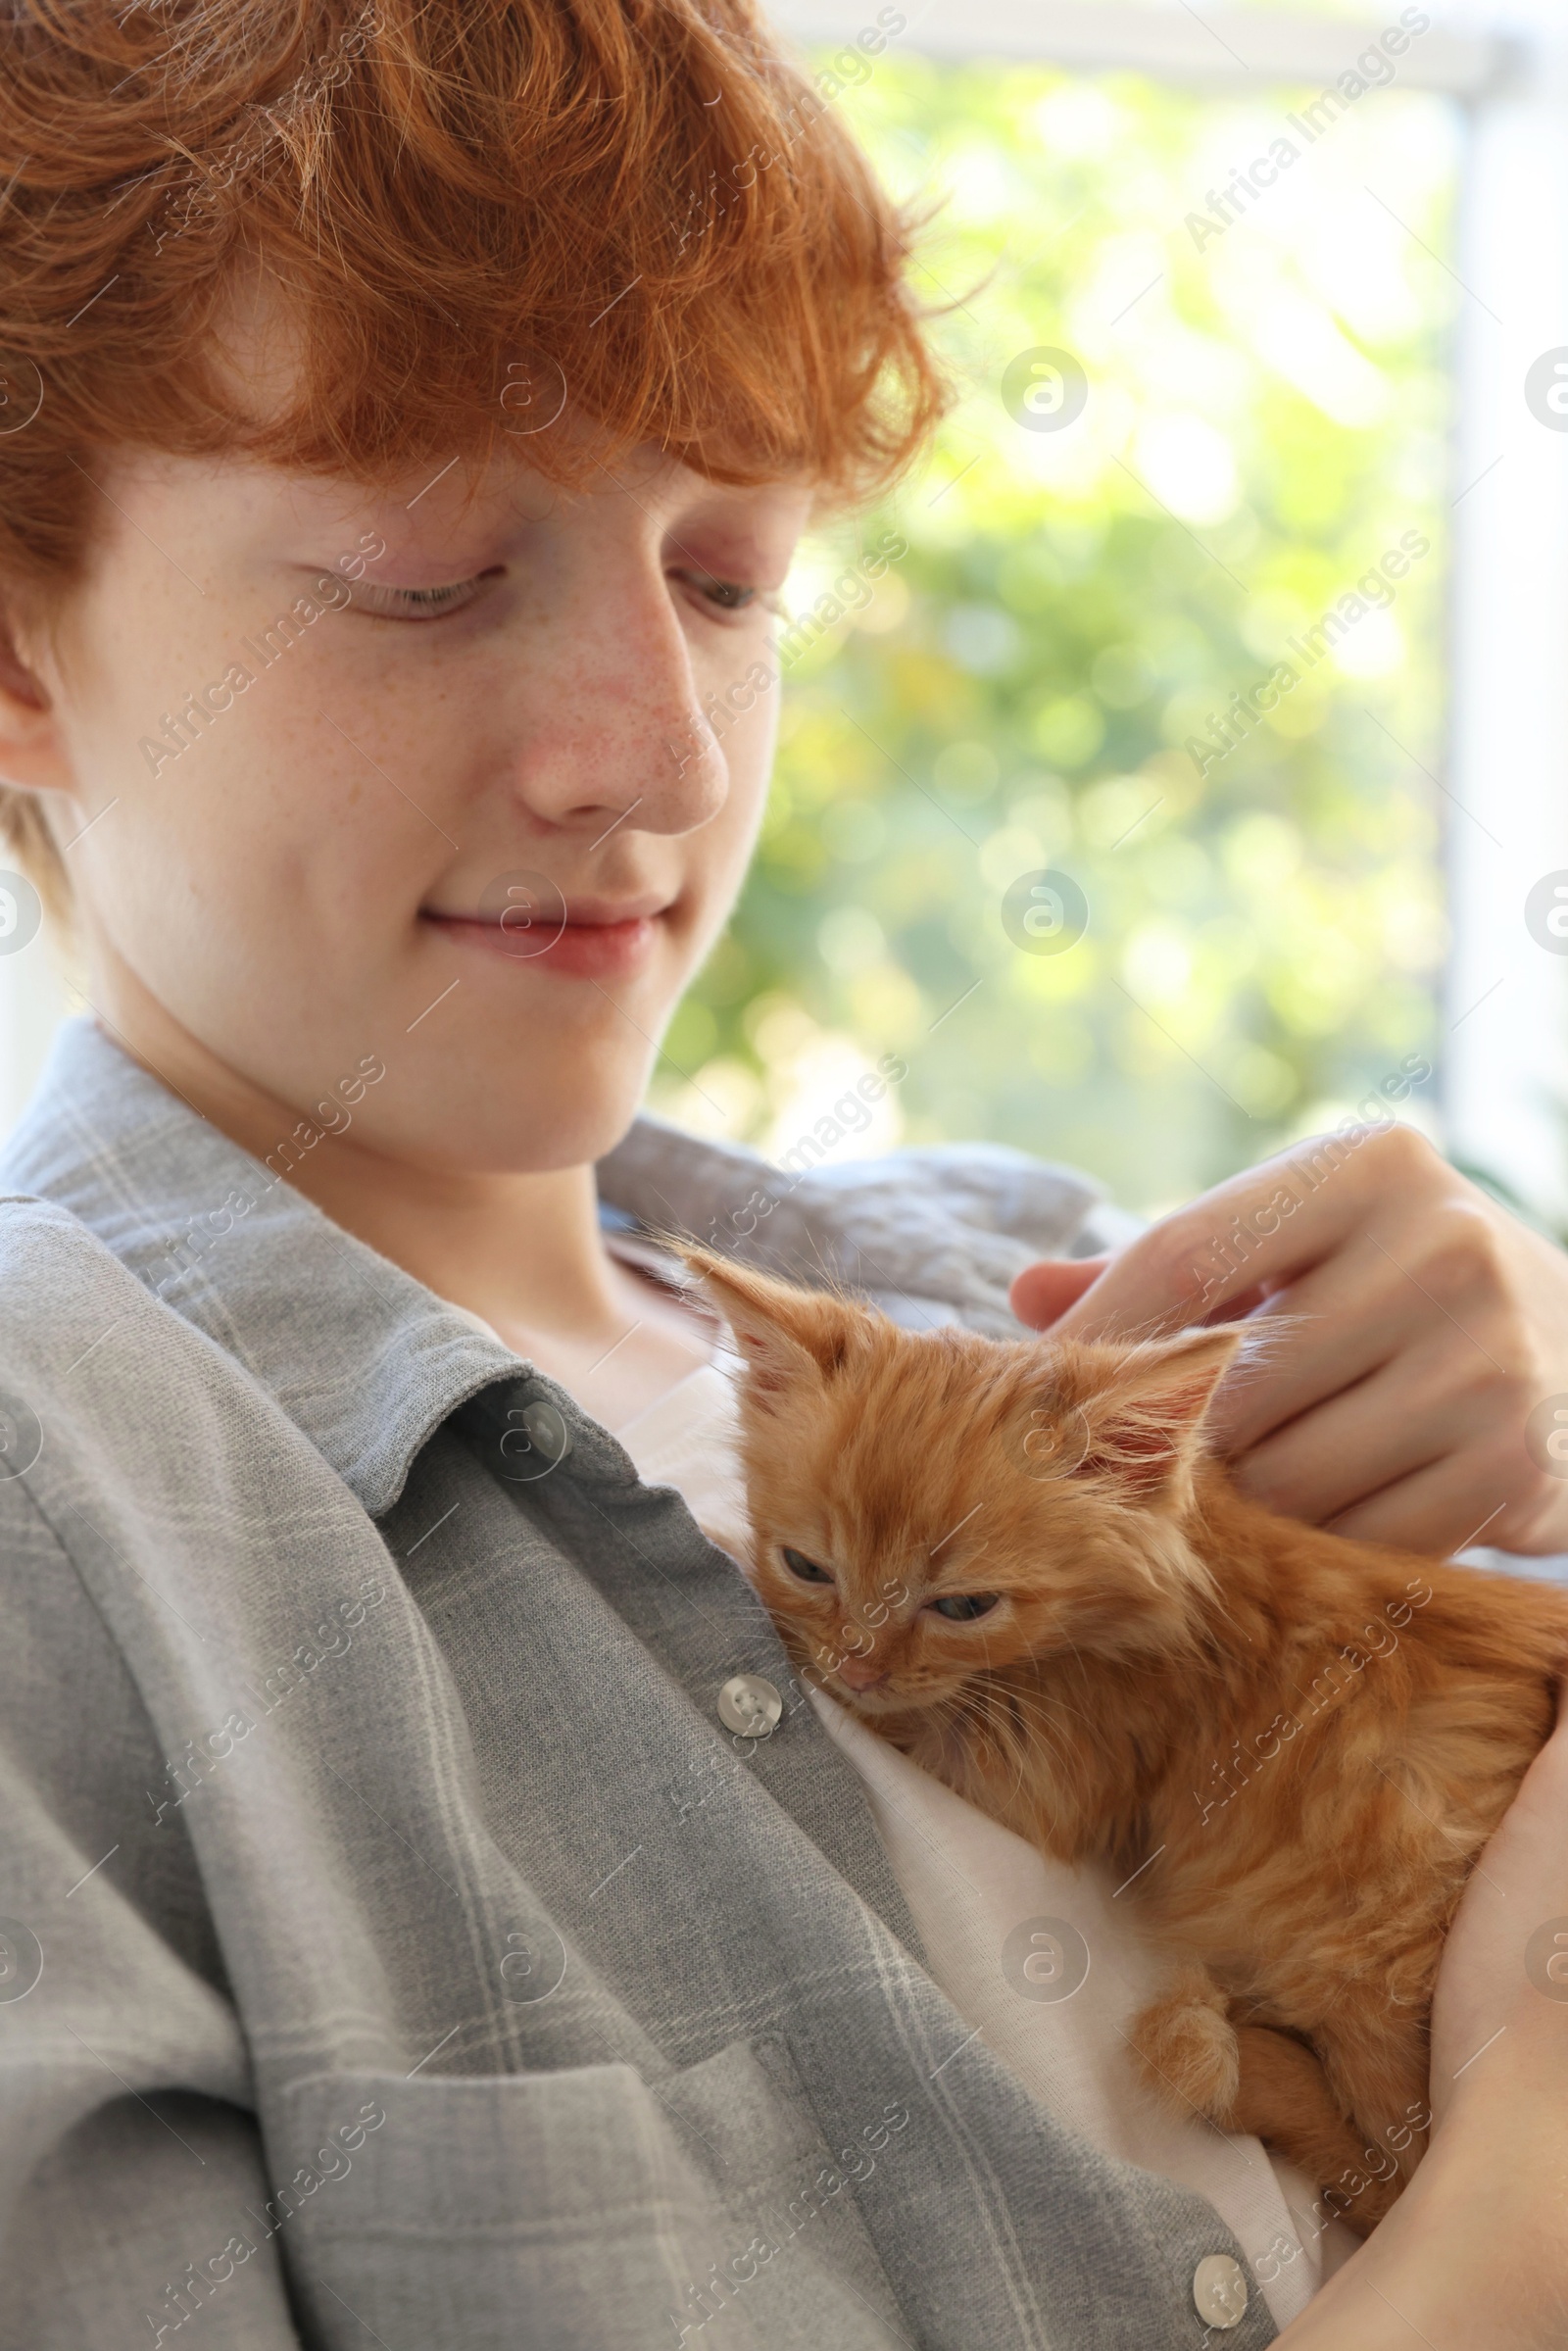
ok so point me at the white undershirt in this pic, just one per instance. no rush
(970, 1884)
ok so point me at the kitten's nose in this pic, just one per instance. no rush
(860, 1673)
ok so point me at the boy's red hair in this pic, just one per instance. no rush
(475, 210)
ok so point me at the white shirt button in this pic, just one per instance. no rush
(749, 1705)
(1219, 2290)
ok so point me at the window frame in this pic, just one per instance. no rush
(1502, 1062)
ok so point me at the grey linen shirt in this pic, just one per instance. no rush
(396, 1948)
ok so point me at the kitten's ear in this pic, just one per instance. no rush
(783, 1333)
(1144, 1424)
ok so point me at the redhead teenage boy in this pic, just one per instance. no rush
(432, 1915)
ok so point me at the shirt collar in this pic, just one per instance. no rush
(368, 1362)
(363, 1359)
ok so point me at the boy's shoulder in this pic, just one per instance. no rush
(74, 1312)
(49, 1259)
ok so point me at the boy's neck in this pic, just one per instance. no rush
(524, 1251)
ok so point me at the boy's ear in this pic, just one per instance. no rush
(783, 1333)
(1145, 1419)
(32, 754)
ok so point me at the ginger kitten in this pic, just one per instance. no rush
(1014, 1560)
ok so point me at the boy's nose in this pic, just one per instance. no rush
(860, 1673)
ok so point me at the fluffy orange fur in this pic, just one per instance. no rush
(1016, 1561)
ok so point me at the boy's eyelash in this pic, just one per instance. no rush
(385, 603)
(731, 595)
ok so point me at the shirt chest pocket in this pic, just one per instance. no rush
(582, 2208)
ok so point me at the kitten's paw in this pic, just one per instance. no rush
(1187, 2050)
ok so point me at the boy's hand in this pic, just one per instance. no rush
(1408, 1395)
(1475, 2250)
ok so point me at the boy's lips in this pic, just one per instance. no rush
(598, 939)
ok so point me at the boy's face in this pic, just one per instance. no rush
(464, 815)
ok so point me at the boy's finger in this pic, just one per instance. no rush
(1044, 1290)
(1157, 1283)
(1236, 1309)
(1267, 1224)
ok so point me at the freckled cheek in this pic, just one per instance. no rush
(719, 849)
(300, 825)
(703, 846)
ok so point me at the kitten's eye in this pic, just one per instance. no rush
(806, 1569)
(963, 1606)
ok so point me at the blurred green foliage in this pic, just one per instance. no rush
(1266, 416)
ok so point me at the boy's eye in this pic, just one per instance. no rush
(961, 1605)
(728, 595)
(416, 604)
(806, 1569)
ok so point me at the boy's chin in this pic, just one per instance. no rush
(526, 1121)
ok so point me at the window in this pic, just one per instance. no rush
(1200, 634)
